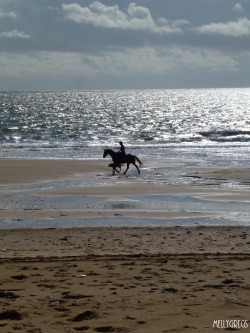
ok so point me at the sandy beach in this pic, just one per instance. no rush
(121, 279)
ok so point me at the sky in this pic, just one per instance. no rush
(111, 44)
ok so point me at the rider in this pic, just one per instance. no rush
(122, 151)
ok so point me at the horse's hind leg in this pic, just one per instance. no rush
(136, 167)
(126, 169)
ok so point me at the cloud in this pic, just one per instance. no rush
(237, 8)
(34, 64)
(119, 62)
(14, 34)
(135, 18)
(239, 28)
(204, 59)
(10, 14)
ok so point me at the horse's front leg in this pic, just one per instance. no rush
(126, 169)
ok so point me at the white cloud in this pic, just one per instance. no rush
(237, 8)
(135, 18)
(9, 14)
(14, 34)
(238, 28)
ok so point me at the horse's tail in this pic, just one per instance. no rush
(138, 160)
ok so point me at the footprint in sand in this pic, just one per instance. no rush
(81, 328)
(10, 315)
(87, 315)
(103, 329)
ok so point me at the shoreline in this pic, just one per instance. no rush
(50, 191)
(24, 171)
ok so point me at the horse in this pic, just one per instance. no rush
(128, 158)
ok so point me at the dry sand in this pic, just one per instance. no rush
(146, 280)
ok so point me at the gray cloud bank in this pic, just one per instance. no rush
(113, 44)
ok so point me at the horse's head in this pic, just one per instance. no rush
(105, 153)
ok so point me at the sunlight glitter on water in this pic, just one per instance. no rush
(211, 124)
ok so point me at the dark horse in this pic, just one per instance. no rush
(116, 157)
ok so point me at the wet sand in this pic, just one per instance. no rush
(69, 189)
(178, 279)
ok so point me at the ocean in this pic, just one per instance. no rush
(208, 125)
